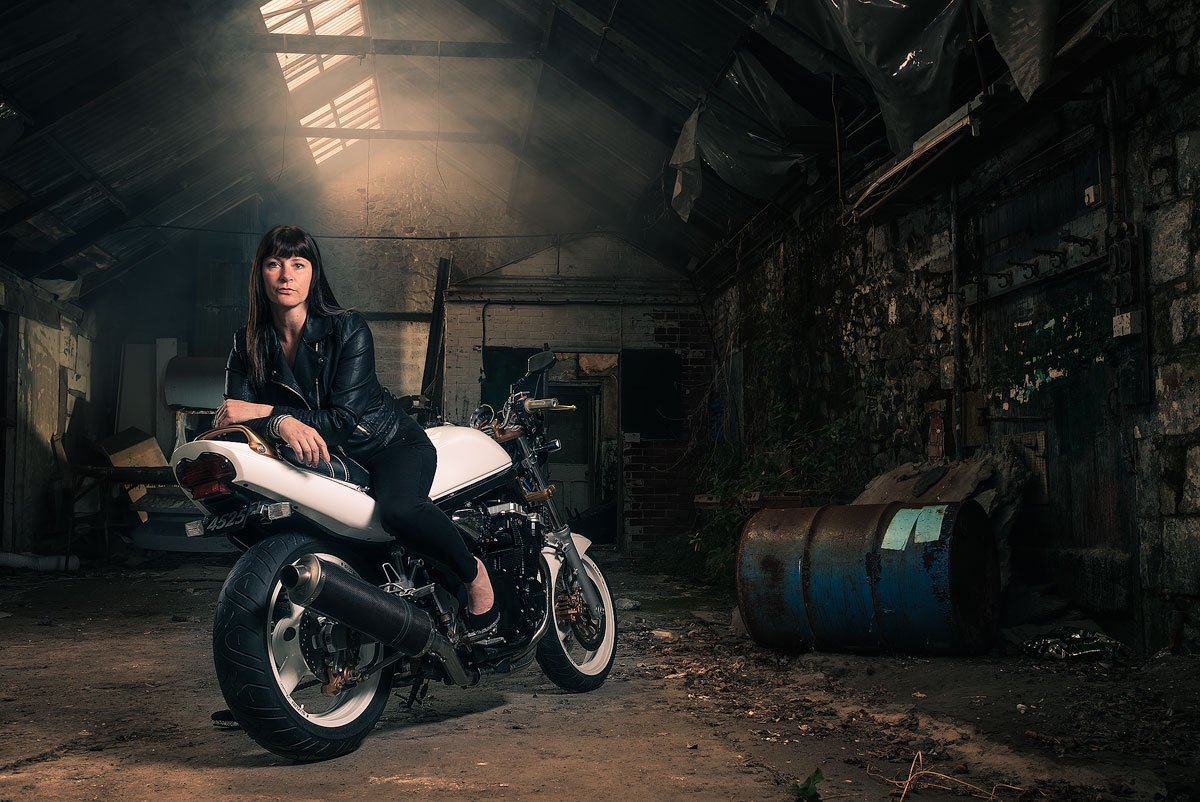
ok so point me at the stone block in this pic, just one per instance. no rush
(1177, 390)
(1170, 258)
(1189, 499)
(1187, 176)
(1180, 560)
(1184, 316)
(947, 372)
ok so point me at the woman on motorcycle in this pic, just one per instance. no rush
(305, 367)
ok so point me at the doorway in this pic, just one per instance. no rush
(573, 467)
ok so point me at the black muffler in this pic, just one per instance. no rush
(333, 591)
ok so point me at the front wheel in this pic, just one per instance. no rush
(294, 680)
(578, 651)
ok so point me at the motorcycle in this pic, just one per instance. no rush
(325, 613)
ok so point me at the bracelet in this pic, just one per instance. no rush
(273, 426)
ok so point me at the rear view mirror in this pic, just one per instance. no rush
(540, 361)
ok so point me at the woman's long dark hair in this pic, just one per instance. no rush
(284, 242)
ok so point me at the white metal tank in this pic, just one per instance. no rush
(466, 456)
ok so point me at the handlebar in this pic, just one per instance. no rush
(546, 405)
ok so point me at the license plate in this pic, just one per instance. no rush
(229, 521)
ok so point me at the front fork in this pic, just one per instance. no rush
(560, 536)
(564, 543)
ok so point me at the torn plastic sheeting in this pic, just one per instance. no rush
(753, 134)
(686, 161)
(811, 55)
(1023, 31)
(750, 132)
(908, 52)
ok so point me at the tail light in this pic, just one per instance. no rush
(208, 476)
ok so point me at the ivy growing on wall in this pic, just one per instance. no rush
(801, 435)
(809, 465)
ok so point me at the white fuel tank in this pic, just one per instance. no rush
(466, 457)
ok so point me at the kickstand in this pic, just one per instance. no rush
(419, 689)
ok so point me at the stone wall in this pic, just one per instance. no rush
(1078, 322)
(1163, 108)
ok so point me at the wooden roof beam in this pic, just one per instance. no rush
(369, 46)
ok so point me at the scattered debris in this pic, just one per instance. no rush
(1070, 643)
(893, 707)
(920, 778)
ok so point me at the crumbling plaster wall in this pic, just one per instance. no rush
(857, 320)
(50, 348)
(385, 214)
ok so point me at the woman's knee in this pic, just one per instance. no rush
(400, 517)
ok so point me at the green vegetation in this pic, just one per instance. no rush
(819, 464)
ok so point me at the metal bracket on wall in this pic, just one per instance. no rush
(1005, 272)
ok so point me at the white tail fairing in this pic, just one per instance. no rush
(465, 457)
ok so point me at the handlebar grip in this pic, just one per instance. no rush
(533, 404)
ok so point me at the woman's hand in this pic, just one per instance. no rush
(304, 440)
(234, 411)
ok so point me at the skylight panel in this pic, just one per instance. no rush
(312, 17)
(356, 108)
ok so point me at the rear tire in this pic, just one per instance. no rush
(578, 651)
(259, 642)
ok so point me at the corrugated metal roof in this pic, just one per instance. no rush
(141, 112)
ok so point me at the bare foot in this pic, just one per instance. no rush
(480, 597)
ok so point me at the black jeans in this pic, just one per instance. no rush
(401, 475)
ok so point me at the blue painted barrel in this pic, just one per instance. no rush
(870, 578)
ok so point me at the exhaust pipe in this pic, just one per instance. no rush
(333, 591)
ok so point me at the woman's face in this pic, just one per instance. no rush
(287, 281)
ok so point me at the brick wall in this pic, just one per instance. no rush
(659, 475)
(596, 296)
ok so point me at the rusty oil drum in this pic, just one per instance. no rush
(870, 578)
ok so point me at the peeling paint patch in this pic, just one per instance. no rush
(1021, 393)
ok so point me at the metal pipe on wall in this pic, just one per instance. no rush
(956, 301)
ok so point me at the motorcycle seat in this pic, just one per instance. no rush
(339, 467)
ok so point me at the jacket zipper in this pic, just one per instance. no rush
(317, 380)
(296, 392)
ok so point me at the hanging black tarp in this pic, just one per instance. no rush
(752, 134)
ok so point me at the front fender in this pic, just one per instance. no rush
(553, 557)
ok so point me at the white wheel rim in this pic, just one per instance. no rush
(299, 686)
(586, 661)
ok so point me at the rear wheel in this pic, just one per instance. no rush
(292, 678)
(578, 651)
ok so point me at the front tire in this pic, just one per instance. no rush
(578, 651)
(264, 650)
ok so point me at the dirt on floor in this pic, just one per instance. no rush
(107, 692)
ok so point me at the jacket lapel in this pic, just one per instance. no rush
(304, 378)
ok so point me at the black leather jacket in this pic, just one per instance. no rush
(333, 386)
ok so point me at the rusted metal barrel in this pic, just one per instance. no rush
(870, 578)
